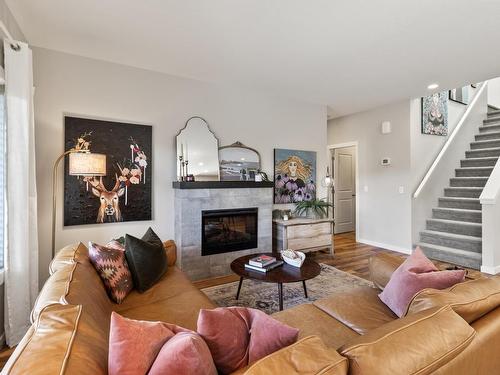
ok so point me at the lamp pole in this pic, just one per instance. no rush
(54, 194)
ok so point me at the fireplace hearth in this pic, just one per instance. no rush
(228, 230)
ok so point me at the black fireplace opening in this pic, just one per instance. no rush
(223, 231)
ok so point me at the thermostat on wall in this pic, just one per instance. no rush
(385, 161)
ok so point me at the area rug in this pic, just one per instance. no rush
(264, 296)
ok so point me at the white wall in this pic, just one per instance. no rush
(71, 84)
(384, 214)
(494, 92)
(425, 147)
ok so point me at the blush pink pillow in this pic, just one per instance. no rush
(184, 354)
(416, 273)
(135, 344)
(237, 336)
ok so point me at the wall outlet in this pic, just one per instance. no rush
(401, 190)
(365, 188)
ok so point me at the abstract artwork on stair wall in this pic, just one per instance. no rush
(294, 175)
(435, 114)
(124, 194)
(460, 95)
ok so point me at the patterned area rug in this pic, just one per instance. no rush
(264, 296)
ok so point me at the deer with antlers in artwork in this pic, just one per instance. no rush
(109, 210)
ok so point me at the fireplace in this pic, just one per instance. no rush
(223, 231)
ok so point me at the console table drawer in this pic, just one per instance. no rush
(309, 230)
(310, 242)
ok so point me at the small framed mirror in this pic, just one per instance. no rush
(238, 162)
(197, 149)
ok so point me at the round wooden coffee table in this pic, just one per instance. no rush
(279, 275)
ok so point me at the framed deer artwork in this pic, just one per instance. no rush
(124, 194)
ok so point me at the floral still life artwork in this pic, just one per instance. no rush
(435, 114)
(294, 176)
(124, 194)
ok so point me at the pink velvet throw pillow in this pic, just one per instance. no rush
(144, 347)
(416, 273)
(237, 336)
(184, 354)
(110, 263)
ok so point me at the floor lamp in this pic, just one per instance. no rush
(81, 163)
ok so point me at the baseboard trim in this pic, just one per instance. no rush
(490, 270)
(386, 246)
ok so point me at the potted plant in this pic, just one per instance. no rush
(314, 208)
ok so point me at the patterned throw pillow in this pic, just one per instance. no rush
(110, 263)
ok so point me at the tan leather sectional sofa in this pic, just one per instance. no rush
(445, 332)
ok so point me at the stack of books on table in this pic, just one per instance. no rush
(263, 263)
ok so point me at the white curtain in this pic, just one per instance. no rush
(21, 244)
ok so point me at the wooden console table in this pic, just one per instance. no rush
(303, 234)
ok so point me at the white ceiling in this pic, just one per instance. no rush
(348, 54)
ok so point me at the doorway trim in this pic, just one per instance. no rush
(329, 152)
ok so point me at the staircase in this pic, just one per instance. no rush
(454, 233)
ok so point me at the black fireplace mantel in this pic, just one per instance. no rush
(221, 184)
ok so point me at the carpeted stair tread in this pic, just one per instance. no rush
(450, 255)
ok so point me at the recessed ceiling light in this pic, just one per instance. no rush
(433, 86)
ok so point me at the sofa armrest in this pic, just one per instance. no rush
(171, 250)
(307, 356)
(382, 267)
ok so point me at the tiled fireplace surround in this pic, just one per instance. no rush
(189, 204)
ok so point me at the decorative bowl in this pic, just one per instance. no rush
(296, 261)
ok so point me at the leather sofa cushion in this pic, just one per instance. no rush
(312, 321)
(307, 356)
(382, 267)
(63, 340)
(67, 255)
(359, 309)
(471, 299)
(416, 344)
(76, 284)
(173, 299)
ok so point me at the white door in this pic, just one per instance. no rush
(344, 176)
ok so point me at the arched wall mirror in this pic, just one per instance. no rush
(238, 162)
(199, 146)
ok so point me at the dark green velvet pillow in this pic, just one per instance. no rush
(146, 259)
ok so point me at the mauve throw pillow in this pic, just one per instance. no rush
(416, 273)
(237, 336)
(110, 263)
(146, 259)
(135, 344)
(184, 354)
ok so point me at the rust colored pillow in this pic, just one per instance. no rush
(416, 273)
(111, 264)
(237, 336)
(137, 346)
